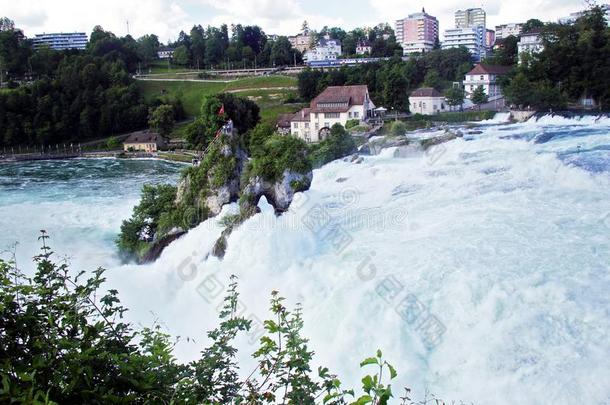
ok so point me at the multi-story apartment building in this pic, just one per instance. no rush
(472, 38)
(506, 30)
(486, 76)
(303, 41)
(530, 43)
(61, 41)
(472, 17)
(327, 49)
(575, 16)
(335, 105)
(417, 33)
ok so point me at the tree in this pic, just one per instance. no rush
(434, 80)
(282, 53)
(6, 24)
(148, 46)
(161, 119)
(532, 24)
(455, 96)
(479, 97)
(181, 56)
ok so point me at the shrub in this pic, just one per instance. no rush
(351, 124)
(336, 146)
(280, 153)
(155, 213)
(398, 128)
(63, 340)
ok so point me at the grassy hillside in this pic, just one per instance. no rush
(269, 92)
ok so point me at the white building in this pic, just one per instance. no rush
(473, 38)
(165, 53)
(427, 101)
(530, 43)
(335, 105)
(506, 30)
(327, 49)
(61, 42)
(364, 48)
(486, 76)
(472, 17)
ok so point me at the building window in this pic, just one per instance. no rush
(316, 115)
(307, 125)
(482, 77)
(356, 114)
(317, 126)
(332, 115)
(349, 114)
(327, 124)
(296, 125)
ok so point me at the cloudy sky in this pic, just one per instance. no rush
(167, 17)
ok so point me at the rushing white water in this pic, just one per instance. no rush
(482, 268)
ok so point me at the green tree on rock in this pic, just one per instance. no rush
(161, 119)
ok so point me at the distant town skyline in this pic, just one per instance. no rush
(166, 18)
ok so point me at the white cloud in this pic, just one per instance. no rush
(167, 17)
(161, 17)
(283, 17)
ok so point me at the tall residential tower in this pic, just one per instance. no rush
(471, 17)
(417, 33)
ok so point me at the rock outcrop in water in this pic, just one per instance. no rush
(223, 178)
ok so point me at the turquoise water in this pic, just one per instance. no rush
(503, 237)
(80, 203)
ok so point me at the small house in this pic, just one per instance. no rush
(144, 141)
(427, 101)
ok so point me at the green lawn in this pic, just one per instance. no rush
(269, 92)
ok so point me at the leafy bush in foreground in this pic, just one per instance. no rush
(62, 340)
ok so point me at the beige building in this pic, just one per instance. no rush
(335, 105)
(144, 141)
(427, 101)
(303, 41)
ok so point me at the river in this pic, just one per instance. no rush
(481, 268)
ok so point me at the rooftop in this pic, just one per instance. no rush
(426, 92)
(144, 137)
(483, 69)
(345, 95)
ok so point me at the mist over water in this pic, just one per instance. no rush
(481, 268)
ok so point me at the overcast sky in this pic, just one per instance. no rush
(167, 17)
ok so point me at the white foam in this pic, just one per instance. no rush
(500, 239)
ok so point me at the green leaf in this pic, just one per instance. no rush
(367, 383)
(365, 399)
(367, 361)
(393, 373)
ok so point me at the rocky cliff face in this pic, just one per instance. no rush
(279, 194)
(219, 180)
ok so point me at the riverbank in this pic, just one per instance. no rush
(175, 157)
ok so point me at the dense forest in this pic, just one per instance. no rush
(72, 96)
(574, 64)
